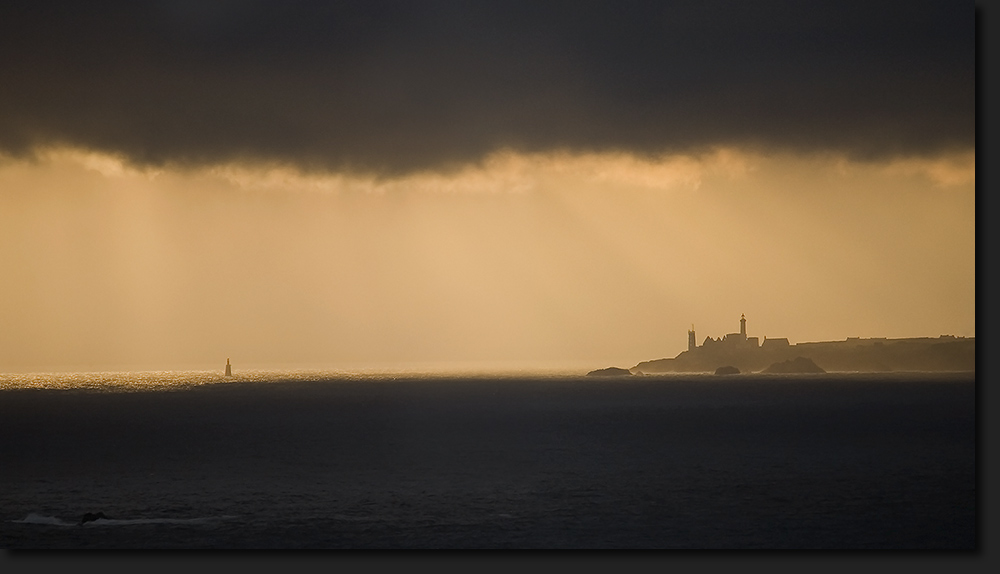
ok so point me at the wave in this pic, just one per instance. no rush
(34, 518)
(39, 519)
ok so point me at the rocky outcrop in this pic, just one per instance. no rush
(796, 365)
(90, 517)
(610, 372)
(727, 370)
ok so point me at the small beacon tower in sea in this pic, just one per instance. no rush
(229, 368)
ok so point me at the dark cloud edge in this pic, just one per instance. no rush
(36, 154)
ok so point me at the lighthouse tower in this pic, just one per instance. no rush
(691, 341)
(743, 327)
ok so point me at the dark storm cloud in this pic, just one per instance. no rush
(405, 85)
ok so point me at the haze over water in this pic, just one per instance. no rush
(389, 183)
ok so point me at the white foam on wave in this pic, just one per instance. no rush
(138, 521)
(39, 519)
(34, 518)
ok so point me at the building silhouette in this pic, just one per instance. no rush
(730, 340)
(946, 353)
(771, 344)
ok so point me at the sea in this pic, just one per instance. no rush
(409, 460)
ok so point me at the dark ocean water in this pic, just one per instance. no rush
(284, 460)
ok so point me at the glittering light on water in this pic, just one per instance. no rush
(145, 381)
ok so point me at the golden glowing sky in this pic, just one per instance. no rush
(552, 259)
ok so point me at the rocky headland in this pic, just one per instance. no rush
(746, 354)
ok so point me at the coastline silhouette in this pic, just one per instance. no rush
(745, 354)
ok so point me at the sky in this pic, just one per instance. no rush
(485, 185)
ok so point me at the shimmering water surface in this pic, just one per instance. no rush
(317, 459)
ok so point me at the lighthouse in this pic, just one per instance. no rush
(743, 326)
(229, 368)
